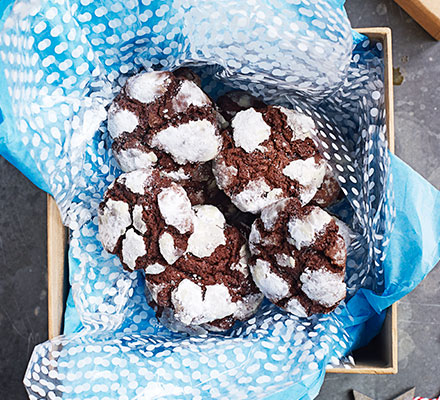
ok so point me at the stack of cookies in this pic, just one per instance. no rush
(196, 177)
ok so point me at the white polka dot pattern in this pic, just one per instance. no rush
(62, 64)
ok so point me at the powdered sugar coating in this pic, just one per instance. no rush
(270, 284)
(154, 269)
(136, 181)
(249, 129)
(296, 308)
(254, 240)
(114, 219)
(175, 208)
(195, 141)
(138, 221)
(285, 260)
(209, 224)
(339, 252)
(190, 94)
(168, 318)
(323, 286)
(133, 159)
(307, 173)
(148, 86)
(191, 307)
(255, 196)
(303, 232)
(133, 246)
(242, 264)
(223, 173)
(120, 120)
(178, 175)
(270, 214)
(248, 306)
(302, 125)
(168, 249)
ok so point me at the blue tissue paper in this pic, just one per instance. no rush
(61, 64)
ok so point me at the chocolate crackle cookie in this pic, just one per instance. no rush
(162, 120)
(142, 212)
(298, 258)
(209, 286)
(269, 155)
(195, 264)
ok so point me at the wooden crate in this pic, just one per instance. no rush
(379, 357)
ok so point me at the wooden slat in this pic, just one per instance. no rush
(394, 340)
(56, 252)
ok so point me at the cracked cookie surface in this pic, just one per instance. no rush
(298, 258)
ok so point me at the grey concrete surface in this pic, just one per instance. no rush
(23, 277)
(417, 118)
(23, 288)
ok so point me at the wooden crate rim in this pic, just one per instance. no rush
(383, 34)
